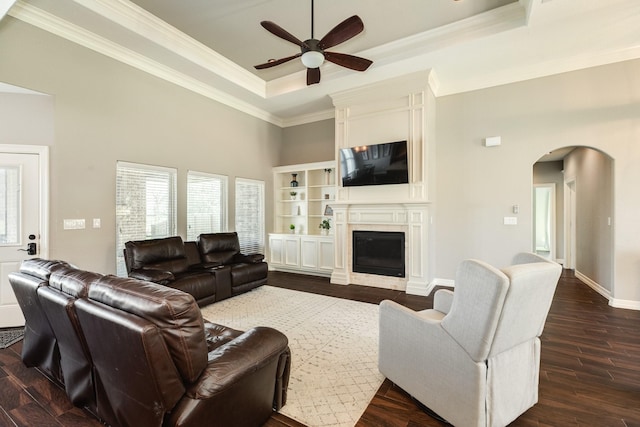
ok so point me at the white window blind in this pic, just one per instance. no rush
(250, 215)
(206, 204)
(145, 205)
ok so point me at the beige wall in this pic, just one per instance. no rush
(26, 119)
(598, 107)
(313, 142)
(592, 172)
(106, 111)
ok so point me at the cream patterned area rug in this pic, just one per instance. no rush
(334, 348)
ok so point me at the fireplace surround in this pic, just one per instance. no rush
(411, 219)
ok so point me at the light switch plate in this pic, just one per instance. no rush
(510, 220)
(73, 224)
(96, 223)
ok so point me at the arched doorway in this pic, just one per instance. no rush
(575, 227)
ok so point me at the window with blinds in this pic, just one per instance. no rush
(206, 204)
(145, 205)
(250, 215)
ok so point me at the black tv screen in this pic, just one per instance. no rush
(377, 164)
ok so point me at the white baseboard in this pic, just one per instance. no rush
(594, 285)
(624, 303)
(449, 283)
(613, 302)
(436, 282)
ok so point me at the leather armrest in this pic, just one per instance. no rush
(249, 259)
(218, 335)
(160, 277)
(205, 266)
(238, 358)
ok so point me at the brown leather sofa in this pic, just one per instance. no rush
(136, 353)
(211, 269)
(40, 345)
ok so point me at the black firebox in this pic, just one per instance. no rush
(379, 252)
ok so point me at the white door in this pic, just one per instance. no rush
(19, 224)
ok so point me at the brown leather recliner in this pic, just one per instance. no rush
(40, 346)
(66, 285)
(223, 249)
(157, 364)
(165, 261)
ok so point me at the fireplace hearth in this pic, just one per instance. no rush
(379, 252)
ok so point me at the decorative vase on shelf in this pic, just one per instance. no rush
(294, 180)
(327, 176)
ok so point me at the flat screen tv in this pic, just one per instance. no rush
(377, 164)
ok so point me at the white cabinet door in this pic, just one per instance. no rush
(276, 250)
(309, 252)
(325, 255)
(292, 251)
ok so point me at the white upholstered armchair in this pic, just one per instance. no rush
(474, 359)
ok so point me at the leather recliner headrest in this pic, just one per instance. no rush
(154, 251)
(72, 281)
(174, 312)
(41, 268)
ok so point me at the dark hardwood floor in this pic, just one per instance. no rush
(590, 368)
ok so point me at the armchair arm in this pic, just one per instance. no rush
(160, 277)
(442, 300)
(416, 353)
(249, 259)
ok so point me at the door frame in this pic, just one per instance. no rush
(42, 151)
(552, 187)
(570, 217)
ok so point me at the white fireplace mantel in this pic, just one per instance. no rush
(394, 110)
(410, 218)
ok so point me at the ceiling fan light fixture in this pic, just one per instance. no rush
(312, 59)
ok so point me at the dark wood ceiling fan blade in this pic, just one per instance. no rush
(276, 62)
(313, 76)
(348, 61)
(342, 32)
(278, 31)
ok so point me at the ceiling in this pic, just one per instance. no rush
(211, 46)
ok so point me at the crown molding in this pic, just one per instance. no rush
(137, 20)
(309, 118)
(54, 25)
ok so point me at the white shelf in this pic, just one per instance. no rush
(311, 197)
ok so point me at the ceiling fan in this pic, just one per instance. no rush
(313, 52)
